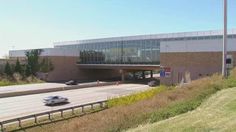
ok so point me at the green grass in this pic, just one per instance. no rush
(9, 82)
(6, 83)
(187, 123)
(181, 106)
(218, 113)
(130, 99)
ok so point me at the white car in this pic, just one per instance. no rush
(51, 100)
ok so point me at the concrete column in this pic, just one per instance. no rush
(134, 77)
(143, 74)
(151, 73)
(122, 75)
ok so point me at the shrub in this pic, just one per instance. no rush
(18, 68)
(33, 65)
(231, 80)
(5, 82)
(17, 77)
(180, 107)
(8, 70)
(126, 100)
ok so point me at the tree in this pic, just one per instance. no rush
(27, 70)
(33, 65)
(8, 70)
(18, 67)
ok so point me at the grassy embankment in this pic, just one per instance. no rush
(7, 81)
(129, 112)
(130, 99)
(216, 114)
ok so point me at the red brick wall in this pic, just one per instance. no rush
(65, 68)
(197, 63)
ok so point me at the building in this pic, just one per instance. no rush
(178, 55)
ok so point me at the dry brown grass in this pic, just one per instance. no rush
(217, 114)
(123, 117)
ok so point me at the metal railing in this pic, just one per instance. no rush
(48, 114)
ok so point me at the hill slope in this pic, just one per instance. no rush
(218, 113)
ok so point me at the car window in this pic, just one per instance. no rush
(56, 97)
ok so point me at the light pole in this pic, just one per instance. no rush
(224, 57)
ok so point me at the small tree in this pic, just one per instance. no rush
(33, 65)
(27, 70)
(18, 67)
(8, 70)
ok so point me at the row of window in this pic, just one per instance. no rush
(126, 52)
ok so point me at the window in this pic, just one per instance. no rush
(228, 61)
(120, 52)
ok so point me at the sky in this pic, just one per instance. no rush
(27, 24)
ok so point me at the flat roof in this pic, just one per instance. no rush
(145, 37)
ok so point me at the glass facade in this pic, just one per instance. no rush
(142, 51)
(146, 51)
(119, 52)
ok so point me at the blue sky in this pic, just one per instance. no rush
(28, 24)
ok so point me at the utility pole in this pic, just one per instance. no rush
(224, 56)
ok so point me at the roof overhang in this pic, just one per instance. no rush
(119, 66)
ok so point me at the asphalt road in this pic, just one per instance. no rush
(14, 107)
(39, 86)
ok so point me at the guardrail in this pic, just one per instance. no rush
(48, 114)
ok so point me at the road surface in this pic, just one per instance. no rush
(14, 107)
(39, 86)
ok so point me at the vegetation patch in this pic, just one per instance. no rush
(26, 73)
(218, 113)
(6, 81)
(180, 107)
(127, 100)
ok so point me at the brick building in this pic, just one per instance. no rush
(192, 54)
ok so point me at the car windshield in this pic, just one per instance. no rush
(55, 97)
(52, 97)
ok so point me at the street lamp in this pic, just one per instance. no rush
(224, 57)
